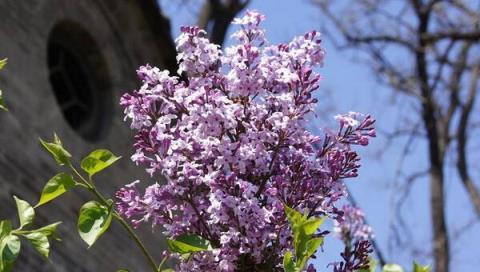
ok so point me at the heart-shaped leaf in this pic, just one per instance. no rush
(40, 242)
(60, 155)
(9, 250)
(93, 221)
(5, 228)
(188, 243)
(55, 187)
(26, 213)
(49, 230)
(97, 161)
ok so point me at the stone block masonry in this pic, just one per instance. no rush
(102, 43)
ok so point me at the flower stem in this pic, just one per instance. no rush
(91, 187)
(137, 240)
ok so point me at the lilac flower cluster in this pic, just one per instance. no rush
(355, 234)
(351, 226)
(229, 137)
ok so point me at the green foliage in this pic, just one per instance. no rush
(49, 230)
(392, 268)
(398, 268)
(5, 228)
(9, 250)
(26, 213)
(188, 243)
(304, 242)
(2, 104)
(420, 268)
(288, 263)
(40, 242)
(55, 187)
(97, 161)
(95, 216)
(93, 221)
(3, 62)
(10, 238)
(61, 156)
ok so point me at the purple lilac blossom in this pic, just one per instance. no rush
(355, 257)
(230, 138)
(351, 228)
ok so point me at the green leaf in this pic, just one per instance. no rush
(49, 230)
(392, 268)
(313, 245)
(288, 264)
(3, 62)
(168, 270)
(295, 218)
(5, 228)
(93, 221)
(60, 155)
(2, 103)
(56, 139)
(302, 229)
(188, 243)
(40, 242)
(26, 213)
(420, 268)
(312, 225)
(97, 161)
(185, 256)
(55, 187)
(123, 270)
(9, 250)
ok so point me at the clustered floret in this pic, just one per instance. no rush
(352, 229)
(351, 226)
(229, 137)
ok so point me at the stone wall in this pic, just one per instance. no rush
(125, 40)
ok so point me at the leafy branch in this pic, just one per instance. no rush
(95, 216)
(10, 243)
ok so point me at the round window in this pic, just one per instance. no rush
(80, 81)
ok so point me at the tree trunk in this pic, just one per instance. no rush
(440, 236)
(436, 147)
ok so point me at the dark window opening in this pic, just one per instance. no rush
(79, 79)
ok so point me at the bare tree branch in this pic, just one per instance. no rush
(462, 141)
(455, 87)
(435, 58)
(216, 16)
(454, 36)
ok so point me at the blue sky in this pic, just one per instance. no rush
(350, 86)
